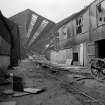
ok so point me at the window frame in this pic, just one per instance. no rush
(77, 26)
(97, 17)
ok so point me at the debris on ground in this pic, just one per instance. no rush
(33, 90)
(3, 76)
(98, 68)
(61, 87)
(8, 92)
(86, 92)
(8, 103)
(19, 94)
(28, 91)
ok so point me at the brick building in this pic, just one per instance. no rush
(81, 36)
(9, 42)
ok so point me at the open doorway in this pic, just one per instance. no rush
(100, 50)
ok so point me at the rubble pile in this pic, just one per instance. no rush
(98, 68)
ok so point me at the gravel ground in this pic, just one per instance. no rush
(61, 88)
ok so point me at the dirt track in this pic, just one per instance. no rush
(61, 88)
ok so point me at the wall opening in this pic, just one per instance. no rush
(75, 56)
(100, 48)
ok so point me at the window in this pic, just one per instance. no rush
(69, 34)
(101, 13)
(79, 25)
(100, 18)
(57, 35)
(64, 32)
(69, 30)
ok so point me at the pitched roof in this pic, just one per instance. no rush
(71, 17)
(27, 11)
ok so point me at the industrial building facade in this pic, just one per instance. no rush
(81, 36)
(78, 38)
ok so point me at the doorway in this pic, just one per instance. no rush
(100, 48)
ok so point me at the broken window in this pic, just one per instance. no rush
(69, 33)
(64, 32)
(79, 25)
(57, 34)
(99, 8)
(101, 13)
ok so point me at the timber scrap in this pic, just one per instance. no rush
(40, 60)
(98, 68)
(48, 64)
(60, 67)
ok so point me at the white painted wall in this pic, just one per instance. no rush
(81, 54)
(58, 57)
(61, 56)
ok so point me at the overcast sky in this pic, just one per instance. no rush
(54, 10)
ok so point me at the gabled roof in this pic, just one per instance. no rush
(25, 17)
(71, 17)
(27, 11)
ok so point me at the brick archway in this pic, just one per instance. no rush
(10, 33)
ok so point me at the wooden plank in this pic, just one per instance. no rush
(18, 94)
(28, 91)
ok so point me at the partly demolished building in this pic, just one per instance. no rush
(74, 40)
(34, 31)
(81, 36)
